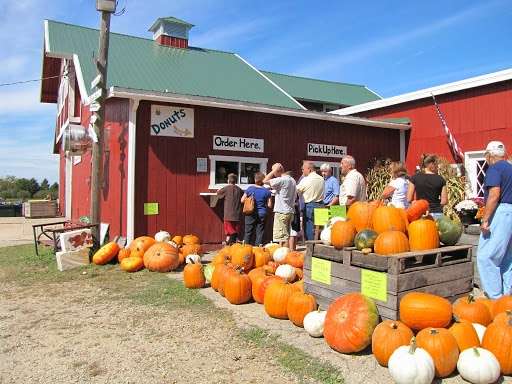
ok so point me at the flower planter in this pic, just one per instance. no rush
(467, 216)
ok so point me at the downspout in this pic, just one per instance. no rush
(130, 194)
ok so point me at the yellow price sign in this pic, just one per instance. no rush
(374, 284)
(150, 209)
(320, 216)
(321, 270)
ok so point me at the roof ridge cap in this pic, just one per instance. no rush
(311, 78)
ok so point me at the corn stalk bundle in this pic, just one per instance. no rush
(377, 178)
(455, 185)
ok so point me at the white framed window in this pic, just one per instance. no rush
(476, 167)
(335, 167)
(243, 167)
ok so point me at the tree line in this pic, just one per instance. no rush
(12, 187)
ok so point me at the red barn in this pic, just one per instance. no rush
(179, 118)
(477, 110)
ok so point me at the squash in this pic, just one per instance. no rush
(502, 304)
(237, 287)
(295, 259)
(365, 239)
(466, 308)
(343, 234)
(387, 337)
(298, 306)
(131, 264)
(450, 230)
(140, 245)
(361, 212)
(478, 366)
(350, 322)
(208, 272)
(193, 275)
(390, 243)
(423, 235)
(325, 235)
(161, 257)
(465, 334)
(280, 253)
(411, 365)
(417, 209)
(388, 218)
(276, 299)
(498, 340)
(287, 272)
(106, 253)
(442, 347)
(314, 323)
(420, 310)
(162, 236)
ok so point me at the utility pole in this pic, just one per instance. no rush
(97, 106)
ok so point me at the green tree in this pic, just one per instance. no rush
(23, 194)
(45, 185)
(54, 187)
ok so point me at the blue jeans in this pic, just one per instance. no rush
(494, 257)
(309, 227)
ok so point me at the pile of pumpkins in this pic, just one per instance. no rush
(160, 253)
(387, 230)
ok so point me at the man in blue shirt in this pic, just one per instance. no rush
(494, 256)
(332, 186)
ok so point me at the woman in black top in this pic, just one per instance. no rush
(429, 185)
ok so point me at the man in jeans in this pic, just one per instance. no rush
(332, 186)
(286, 191)
(494, 256)
(311, 187)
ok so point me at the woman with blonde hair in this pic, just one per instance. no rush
(397, 188)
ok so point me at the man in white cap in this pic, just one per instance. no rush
(494, 256)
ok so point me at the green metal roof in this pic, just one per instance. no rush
(327, 92)
(142, 64)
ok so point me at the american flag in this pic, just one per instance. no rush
(457, 152)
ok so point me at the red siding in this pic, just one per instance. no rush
(62, 183)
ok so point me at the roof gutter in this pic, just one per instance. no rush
(129, 93)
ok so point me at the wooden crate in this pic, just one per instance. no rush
(40, 208)
(446, 271)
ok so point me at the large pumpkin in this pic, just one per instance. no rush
(237, 287)
(465, 334)
(387, 337)
(261, 256)
(449, 230)
(388, 219)
(501, 305)
(417, 209)
(131, 264)
(242, 257)
(161, 257)
(420, 310)
(295, 259)
(276, 299)
(391, 242)
(224, 274)
(193, 276)
(361, 212)
(260, 287)
(106, 253)
(342, 234)
(442, 347)
(423, 235)
(498, 340)
(217, 275)
(350, 322)
(299, 305)
(140, 245)
(466, 308)
(365, 239)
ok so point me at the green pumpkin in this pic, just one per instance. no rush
(450, 230)
(208, 272)
(365, 239)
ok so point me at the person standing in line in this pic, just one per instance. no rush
(397, 188)
(262, 200)
(429, 185)
(331, 186)
(286, 191)
(353, 187)
(494, 255)
(232, 195)
(311, 187)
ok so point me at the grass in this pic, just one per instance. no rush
(293, 359)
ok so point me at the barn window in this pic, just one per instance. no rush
(243, 167)
(476, 167)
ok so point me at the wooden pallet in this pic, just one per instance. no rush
(447, 272)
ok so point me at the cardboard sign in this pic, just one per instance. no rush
(150, 209)
(321, 270)
(239, 144)
(374, 284)
(338, 211)
(320, 216)
(326, 150)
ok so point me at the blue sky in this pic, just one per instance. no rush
(391, 46)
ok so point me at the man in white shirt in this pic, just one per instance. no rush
(353, 187)
(311, 187)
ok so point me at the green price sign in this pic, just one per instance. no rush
(374, 284)
(320, 216)
(150, 209)
(321, 270)
(338, 211)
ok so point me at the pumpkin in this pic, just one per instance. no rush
(478, 366)
(365, 239)
(350, 322)
(280, 253)
(480, 331)
(298, 306)
(287, 272)
(314, 323)
(224, 275)
(420, 310)
(221, 257)
(193, 258)
(105, 253)
(388, 218)
(299, 274)
(271, 248)
(503, 317)
(161, 257)
(403, 214)
(208, 272)
(387, 337)
(465, 334)
(501, 305)
(132, 264)
(498, 340)
(467, 308)
(243, 257)
(271, 267)
(261, 256)
(140, 245)
(487, 302)
(193, 275)
(343, 234)
(325, 234)
(295, 259)
(276, 299)
(417, 209)
(391, 242)
(411, 365)
(449, 230)
(260, 285)
(178, 240)
(163, 236)
(123, 254)
(423, 235)
(254, 273)
(237, 287)
(189, 249)
(360, 214)
(191, 239)
(299, 285)
(217, 275)
(442, 346)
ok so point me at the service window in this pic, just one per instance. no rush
(243, 167)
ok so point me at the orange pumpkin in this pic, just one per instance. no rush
(388, 218)
(466, 308)
(442, 347)
(487, 302)
(299, 273)
(276, 299)
(360, 213)
(387, 337)
(189, 249)
(417, 209)
(498, 340)
(261, 256)
(391, 242)
(295, 259)
(271, 266)
(423, 235)
(254, 273)
(105, 253)
(349, 323)
(343, 234)
(256, 281)
(403, 214)
(191, 239)
(465, 334)
(132, 264)
(161, 257)
(225, 273)
(503, 317)
(222, 256)
(140, 245)
(243, 257)
(123, 254)
(217, 274)
(420, 310)
(299, 284)
(299, 305)
(193, 276)
(178, 240)
(237, 287)
(501, 305)
(259, 292)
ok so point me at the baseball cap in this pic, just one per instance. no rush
(496, 148)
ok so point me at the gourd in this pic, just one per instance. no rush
(388, 218)
(411, 365)
(314, 323)
(478, 366)
(467, 308)
(343, 234)
(387, 337)
(298, 306)
(365, 239)
(325, 234)
(193, 259)
(140, 245)
(450, 230)
(498, 340)
(423, 235)
(280, 254)
(276, 299)
(237, 288)
(417, 209)
(442, 347)
(193, 276)
(132, 264)
(161, 257)
(208, 272)
(295, 259)
(360, 213)
(420, 310)
(106, 253)
(287, 272)
(465, 334)
(391, 242)
(163, 236)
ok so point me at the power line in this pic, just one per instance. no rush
(28, 81)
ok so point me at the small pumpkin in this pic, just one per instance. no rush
(177, 240)
(298, 306)
(276, 299)
(465, 334)
(391, 242)
(423, 235)
(161, 257)
(271, 267)
(221, 257)
(420, 310)
(260, 287)
(140, 245)
(489, 303)
(387, 337)
(280, 253)
(450, 230)
(365, 239)
(361, 212)
(254, 273)
(503, 317)
(123, 254)
(191, 239)
(217, 275)
(132, 264)
(162, 236)
(501, 305)
(498, 340)
(417, 209)
(388, 218)
(411, 365)
(442, 346)
(295, 259)
(314, 323)
(325, 234)
(467, 308)
(299, 274)
(261, 256)
(343, 234)
(193, 275)
(106, 253)
(237, 288)
(299, 285)
(242, 257)
(190, 249)
(193, 258)
(478, 366)
(224, 275)
(287, 272)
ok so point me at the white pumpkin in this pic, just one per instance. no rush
(314, 323)
(287, 272)
(411, 365)
(480, 331)
(325, 235)
(280, 254)
(478, 366)
(193, 259)
(163, 236)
